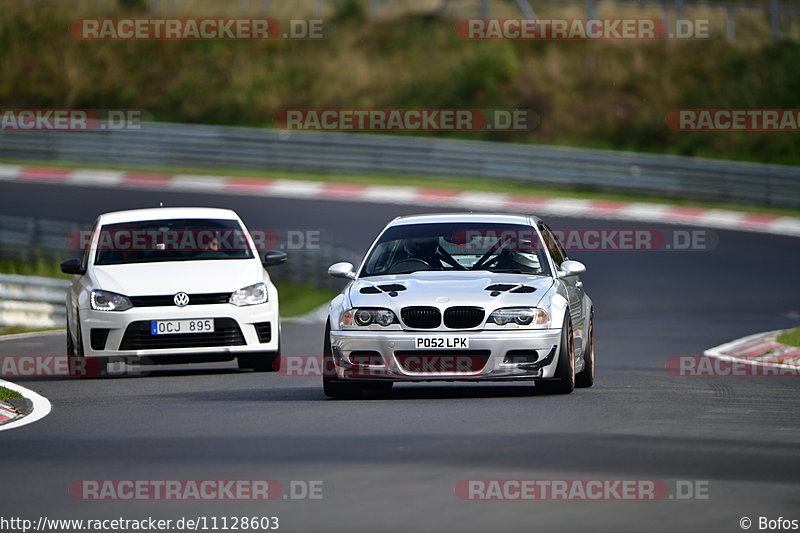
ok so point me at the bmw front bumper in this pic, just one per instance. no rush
(492, 355)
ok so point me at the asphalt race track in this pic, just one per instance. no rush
(392, 462)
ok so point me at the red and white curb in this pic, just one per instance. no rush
(41, 407)
(6, 413)
(761, 349)
(417, 196)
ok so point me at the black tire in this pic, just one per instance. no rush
(585, 378)
(331, 385)
(563, 381)
(70, 343)
(78, 366)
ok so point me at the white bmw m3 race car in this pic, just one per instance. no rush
(460, 297)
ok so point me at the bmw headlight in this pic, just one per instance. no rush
(366, 316)
(523, 316)
(251, 295)
(109, 301)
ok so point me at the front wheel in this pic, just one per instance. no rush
(332, 386)
(70, 343)
(585, 378)
(563, 381)
(76, 362)
(78, 365)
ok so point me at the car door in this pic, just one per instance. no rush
(572, 284)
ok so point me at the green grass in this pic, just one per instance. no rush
(37, 267)
(436, 182)
(791, 337)
(13, 330)
(611, 94)
(296, 300)
(8, 394)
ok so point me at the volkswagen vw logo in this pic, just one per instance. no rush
(181, 299)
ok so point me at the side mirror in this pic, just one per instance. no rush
(273, 258)
(571, 268)
(342, 270)
(73, 266)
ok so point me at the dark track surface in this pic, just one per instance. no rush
(391, 463)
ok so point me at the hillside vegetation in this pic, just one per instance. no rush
(610, 94)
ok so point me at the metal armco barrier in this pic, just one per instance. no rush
(32, 301)
(28, 238)
(189, 145)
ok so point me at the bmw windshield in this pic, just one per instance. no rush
(405, 249)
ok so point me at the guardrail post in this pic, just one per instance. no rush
(679, 9)
(310, 274)
(33, 239)
(774, 20)
(526, 9)
(591, 9)
(730, 24)
(483, 9)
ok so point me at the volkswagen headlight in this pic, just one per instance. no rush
(109, 301)
(251, 295)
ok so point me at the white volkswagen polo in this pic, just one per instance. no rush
(172, 285)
